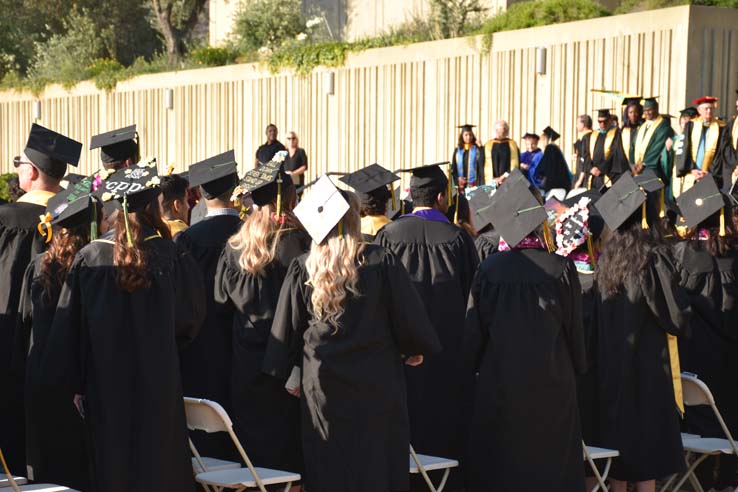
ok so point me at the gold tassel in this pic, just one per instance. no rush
(456, 209)
(547, 237)
(644, 220)
(722, 222)
(590, 249)
(279, 195)
(662, 210)
(340, 227)
(125, 219)
(394, 200)
(44, 226)
(402, 207)
(450, 178)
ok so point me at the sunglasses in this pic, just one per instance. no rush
(17, 162)
(601, 121)
(291, 138)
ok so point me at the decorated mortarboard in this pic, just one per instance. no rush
(71, 207)
(322, 209)
(51, 152)
(70, 179)
(117, 145)
(621, 201)
(573, 229)
(688, 111)
(705, 100)
(631, 100)
(701, 201)
(266, 182)
(515, 211)
(216, 175)
(466, 127)
(551, 134)
(531, 135)
(649, 102)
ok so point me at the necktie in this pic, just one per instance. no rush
(701, 149)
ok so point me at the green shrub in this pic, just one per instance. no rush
(210, 56)
(4, 194)
(267, 23)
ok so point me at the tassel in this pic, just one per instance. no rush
(93, 224)
(644, 220)
(394, 200)
(547, 237)
(44, 226)
(279, 195)
(402, 208)
(590, 249)
(589, 182)
(5, 468)
(722, 222)
(662, 205)
(125, 218)
(456, 209)
(340, 227)
(450, 189)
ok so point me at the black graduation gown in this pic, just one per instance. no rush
(487, 243)
(611, 166)
(354, 411)
(717, 167)
(553, 169)
(19, 242)
(524, 337)
(441, 260)
(265, 417)
(711, 352)
(120, 351)
(206, 362)
(729, 153)
(501, 158)
(638, 413)
(55, 433)
(587, 382)
(478, 165)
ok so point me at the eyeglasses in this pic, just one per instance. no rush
(17, 162)
(601, 121)
(291, 138)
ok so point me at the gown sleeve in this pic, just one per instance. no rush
(24, 322)
(573, 318)
(469, 264)
(189, 298)
(223, 281)
(475, 336)
(667, 299)
(411, 328)
(284, 348)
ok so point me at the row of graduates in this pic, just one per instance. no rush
(523, 345)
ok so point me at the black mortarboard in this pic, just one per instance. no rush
(514, 211)
(369, 178)
(117, 145)
(322, 209)
(479, 202)
(70, 179)
(631, 100)
(620, 201)
(688, 111)
(603, 113)
(216, 175)
(263, 183)
(551, 134)
(51, 152)
(531, 135)
(425, 176)
(572, 200)
(650, 101)
(132, 187)
(466, 127)
(71, 207)
(700, 201)
(649, 181)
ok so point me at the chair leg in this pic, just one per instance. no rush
(690, 471)
(665, 487)
(288, 487)
(600, 479)
(442, 485)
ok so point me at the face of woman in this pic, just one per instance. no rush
(271, 134)
(467, 137)
(633, 114)
(292, 141)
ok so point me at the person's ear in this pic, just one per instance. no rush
(35, 173)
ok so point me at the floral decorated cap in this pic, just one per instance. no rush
(216, 175)
(572, 227)
(266, 182)
(131, 188)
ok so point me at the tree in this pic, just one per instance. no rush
(450, 17)
(267, 23)
(177, 20)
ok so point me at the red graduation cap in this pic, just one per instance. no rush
(705, 100)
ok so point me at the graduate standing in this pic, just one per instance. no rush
(247, 282)
(173, 202)
(40, 167)
(56, 448)
(525, 344)
(639, 309)
(370, 184)
(129, 299)
(605, 160)
(348, 316)
(702, 138)
(441, 260)
(650, 141)
(206, 362)
(553, 172)
(501, 154)
(467, 161)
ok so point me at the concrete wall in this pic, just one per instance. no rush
(397, 106)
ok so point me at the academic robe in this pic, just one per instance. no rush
(638, 412)
(19, 243)
(265, 417)
(206, 362)
(628, 136)
(712, 350)
(580, 150)
(441, 260)
(553, 172)
(355, 431)
(729, 146)
(587, 382)
(487, 243)
(524, 338)
(500, 156)
(649, 145)
(119, 349)
(55, 433)
(371, 225)
(478, 165)
(713, 160)
(605, 152)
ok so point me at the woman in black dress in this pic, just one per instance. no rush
(347, 315)
(296, 162)
(247, 282)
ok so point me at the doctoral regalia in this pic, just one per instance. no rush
(729, 147)
(441, 260)
(638, 412)
(19, 243)
(265, 417)
(713, 158)
(524, 338)
(354, 410)
(206, 362)
(55, 433)
(500, 156)
(119, 349)
(605, 152)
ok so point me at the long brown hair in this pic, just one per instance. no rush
(132, 262)
(55, 264)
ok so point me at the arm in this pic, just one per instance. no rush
(686, 164)
(190, 299)
(573, 326)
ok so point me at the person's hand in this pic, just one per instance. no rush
(414, 360)
(500, 180)
(79, 404)
(698, 174)
(524, 166)
(595, 172)
(669, 144)
(462, 181)
(637, 169)
(295, 392)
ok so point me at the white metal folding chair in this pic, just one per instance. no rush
(210, 417)
(39, 487)
(5, 481)
(592, 454)
(421, 463)
(696, 393)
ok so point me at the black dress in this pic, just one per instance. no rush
(266, 151)
(119, 349)
(354, 413)
(19, 243)
(298, 160)
(524, 337)
(206, 362)
(553, 169)
(55, 432)
(265, 417)
(441, 260)
(638, 413)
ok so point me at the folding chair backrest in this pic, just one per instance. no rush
(206, 415)
(695, 392)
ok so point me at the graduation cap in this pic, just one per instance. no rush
(650, 102)
(71, 207)
(705, 100)
(215, 175)
(701, 201)
(266, 182)
(627, 101)
(429, 175)
(603, 113)
(71, 179)
(515, 211)
(322, 209)
(650, 183)
(50, 151)
(466, 127)
(551, 134)
(117, 145)
(531, 135)
(479, 203)
(371, 178)
(690, 111)
(573, 229)
(621, 201)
